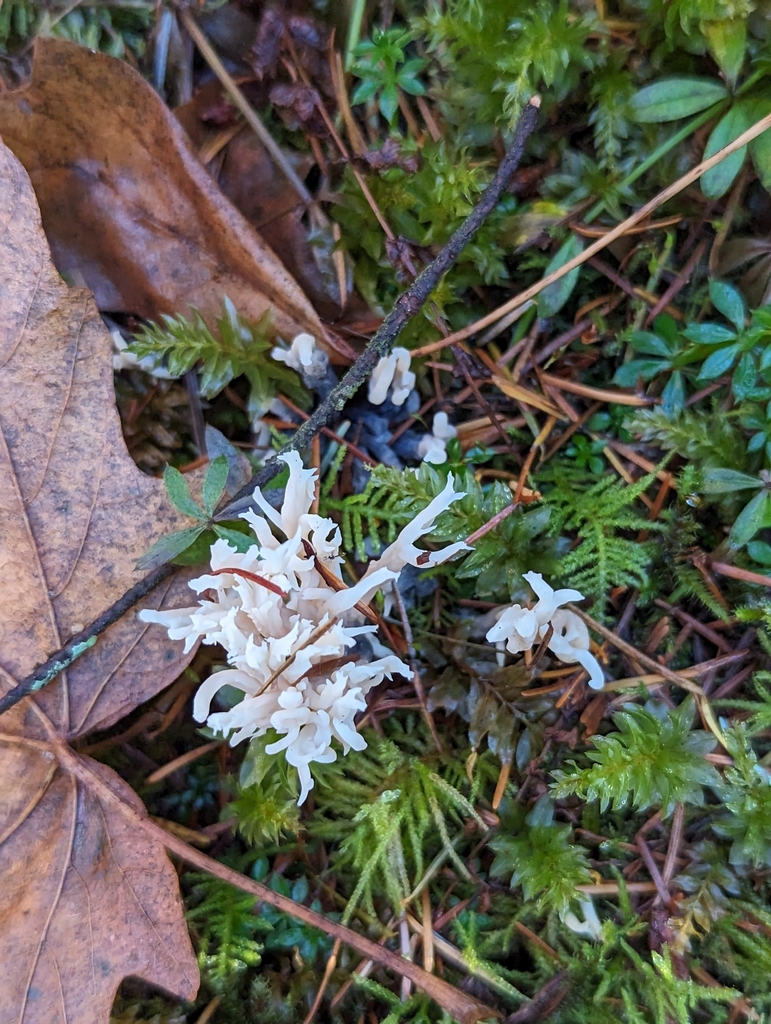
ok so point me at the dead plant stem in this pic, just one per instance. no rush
(620, 229)
(459, 1005)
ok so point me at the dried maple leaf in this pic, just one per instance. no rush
(127, 208)
(86, 899)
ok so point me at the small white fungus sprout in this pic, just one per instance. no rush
(392, 371)
(304, 356)
(591, 926)
(289, 624)
(520, 628)
(433, 446)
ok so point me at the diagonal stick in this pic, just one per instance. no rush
(664, 196)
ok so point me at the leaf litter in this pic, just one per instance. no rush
(128, 210)
(85, 900)
(531, 730)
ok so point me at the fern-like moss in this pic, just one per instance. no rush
(654, 760)
(536, 852)
(603, 519)
(393, 498)
(238, 347)
(388, 811)
(226, 925)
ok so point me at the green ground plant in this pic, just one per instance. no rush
(585, 856)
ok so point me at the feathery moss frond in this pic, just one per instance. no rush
(652, 761)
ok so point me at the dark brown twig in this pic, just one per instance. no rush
(85, 639)
(408, 305)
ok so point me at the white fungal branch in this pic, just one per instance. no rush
(520, 628)
(288, 632)
(433, 446)
(392, 371)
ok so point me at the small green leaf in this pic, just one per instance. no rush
(745, 376)
(673, 98)
(760, 147)
(179, 494)
(199, 551)
(717, 181)
(718, 480)
(727, 300)
(708, 334)
(759, 551)
(755, 515)
(673, 395)
(718, 363)
(214, 483)
(639, 369)
(169, 547)
(552, 299)
(412, 85)
(727, 39)
(649, 344)
(365, 91)
(389, 102)
(241, 541)
(756, 442)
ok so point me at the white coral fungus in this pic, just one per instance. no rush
(591, 926)
(522, 628)
(433, 446)
(392, 371)
(288, 624)
(303, 355)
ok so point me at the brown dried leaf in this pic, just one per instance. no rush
(127, 207)
(248, 178)
(85, 901)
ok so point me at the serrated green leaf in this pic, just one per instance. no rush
(179, 494)
(672, 98)
(214, 483)
(169, 547)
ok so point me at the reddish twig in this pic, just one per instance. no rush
(253, 577)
